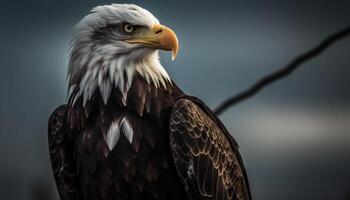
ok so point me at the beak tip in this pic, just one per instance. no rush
(174, 54)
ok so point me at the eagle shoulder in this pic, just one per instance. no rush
(206, 161)
(61, 148)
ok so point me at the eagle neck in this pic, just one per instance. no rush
(104, 75)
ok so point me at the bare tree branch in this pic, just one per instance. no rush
(283, 72)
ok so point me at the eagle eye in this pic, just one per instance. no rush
(128, 28)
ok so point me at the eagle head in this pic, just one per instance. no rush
(112, 44)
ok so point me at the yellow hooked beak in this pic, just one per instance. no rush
(161, 37)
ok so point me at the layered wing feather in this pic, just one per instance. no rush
(206, 159)
(62, 154)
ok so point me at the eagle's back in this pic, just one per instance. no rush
(128, 150)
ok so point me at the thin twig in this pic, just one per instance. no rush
(283, 72)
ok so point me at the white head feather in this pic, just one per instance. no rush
(106, 61)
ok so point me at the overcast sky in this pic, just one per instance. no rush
(294, 136)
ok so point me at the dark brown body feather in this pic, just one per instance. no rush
(208, 163)
(86, 168)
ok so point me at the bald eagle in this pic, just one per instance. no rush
(127, 131)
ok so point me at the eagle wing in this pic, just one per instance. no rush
(206, 157)
(61, 146)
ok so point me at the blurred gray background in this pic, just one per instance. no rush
(294, 136)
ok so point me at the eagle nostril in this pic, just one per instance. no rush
(159, 31)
